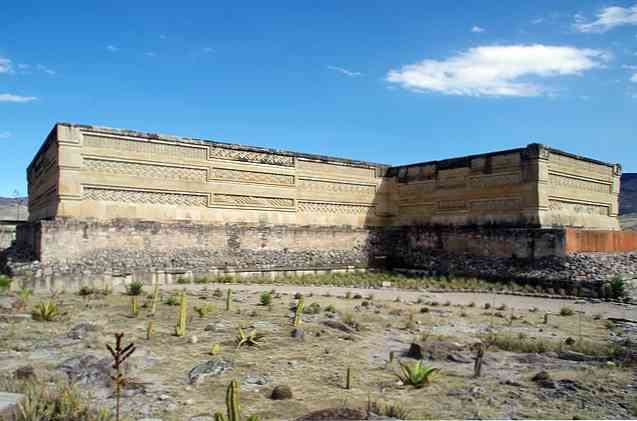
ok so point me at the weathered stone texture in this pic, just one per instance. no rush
(7, 235)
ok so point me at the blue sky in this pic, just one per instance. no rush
(390, 82)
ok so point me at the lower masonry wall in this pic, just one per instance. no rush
(67, 253)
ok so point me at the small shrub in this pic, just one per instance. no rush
(447, 303)
(171, 300)
(357, 297)
(45, 311)
(501, 307)
(617, 287)
(5, 283)
(204, 310)
(393, 411)
(434, 303)
(218, 293)
(348, 319)
(182, 281)
(417, 375)
(348, 295)
(314, 308)
(201, 280)
(85, 291)
(134, 288)
(424, 309)
(487, 306)
(471, 304)
(297, 295)
(566, 311)
(330, 309)
(265, 299)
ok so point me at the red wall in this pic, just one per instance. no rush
(602, 241)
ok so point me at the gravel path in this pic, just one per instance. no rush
(519, 302)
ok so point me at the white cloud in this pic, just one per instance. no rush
(5, 65)
(16, 98)
(477, 29)
(634, 78)
(112, 48)
(45, 69)
(537, 21)
(608, 18)
(629, 67)
(150, 54)
(499, 70)
(5, 135)
(344, 71)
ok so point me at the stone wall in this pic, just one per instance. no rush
(7, 235)
(88, 172)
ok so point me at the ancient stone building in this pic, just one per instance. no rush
(125, 203)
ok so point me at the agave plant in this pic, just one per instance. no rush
(250, 339)
(418, 375)
(45, 311)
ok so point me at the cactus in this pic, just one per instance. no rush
(348, 379)
(153, 307)
(232, 401)
(228, 298)
(180, 329)
(299, 311)
(150, 331)
(134, 305)
(477, 367)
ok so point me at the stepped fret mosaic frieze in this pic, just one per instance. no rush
(575, 166)
(251, 156)
(335, 208)
(240, 200)
(145, 197)
(581, 208)
(366, 191)
(145, 170)
(253, 177)
(496, 204)
(575, 183)
(147, 147)
(484, 181)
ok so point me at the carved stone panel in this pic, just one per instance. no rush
(146, 197)
(336, 208)
(251, 156)
(241, 200)
(227, 174)
(143, 146)
(578, 208)
(145, 170)
(578, 184)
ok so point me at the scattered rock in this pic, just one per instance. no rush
(335, 324)
(194, 339)
(543, 379)
(576, 356)
(8, 303)
(457, 358)
(82, 329)
(207, 369)
(24, 373)
(298, 333)
(334, 414)
(281, 392)
(90, 370)
(256, 381)
(415, 352)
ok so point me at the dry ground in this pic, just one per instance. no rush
(315, 368)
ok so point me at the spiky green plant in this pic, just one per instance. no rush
(298, 312)
(180, 329)
(24, 294)
(134, 305)
(250, 339)
(215, 349)
(417, 375)
(228, 299)
(204, 310)
(45, 311)
(266, 298)
(153, 306)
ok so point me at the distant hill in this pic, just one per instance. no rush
(13, 208)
